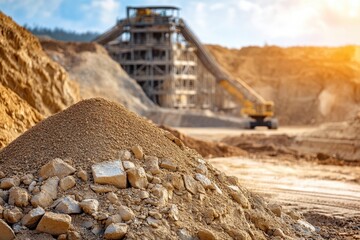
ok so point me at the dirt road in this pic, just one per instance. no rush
(328, 196)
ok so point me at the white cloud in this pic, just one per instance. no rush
(38, 8)
(105, 10)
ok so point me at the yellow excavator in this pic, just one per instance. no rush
(252, 104)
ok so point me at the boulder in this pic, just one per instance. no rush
(82, 174)
(18, 197)
(42, 199)
(152, 165)
(111, 173)
(67, 182)
(190, 184)
(128, 165)
(138, 152)
(56, 167)
(205, 182)
(67, 205)
(168, 164)
(31, 219)
(205, 234)
(89, 206)
(50, 187)
(54, 223)
(7, 183)
(126, 213)
(6, 233)
(116, 231)
(12, 215)
(137, 178)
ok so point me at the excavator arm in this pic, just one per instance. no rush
(253, 105)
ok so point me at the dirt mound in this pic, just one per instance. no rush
(16, 116)
(97, 74)
(165, 202)
(27, 71)
(205, 148)
(309, 85)
(335, 140)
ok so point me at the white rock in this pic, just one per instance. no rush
(31, 219)
(67, 205)
(32, 186)
(103, 188)
(174, 212)
(238, 196)
(42, 199)
(152, 164)
(89, 206)
(153, 222)
(50, 187)
(112, 197)
(6, 233)
(128, 165)
(190, 184)
(56, 167)
(116, 231)
(27, 179)
(205, 182)
(124, 155)
(111, 173)
(161, 193)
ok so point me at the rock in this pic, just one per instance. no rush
(103, 188)
(169, 135)
(62, 237)
(111, 173)
(2, 174)
(128, 165)
(67, 205)
(177, 182)
(72, 235)
(190, 184)
(56, 167)
(89, 206)
(27, 179)
(31, 219)
(113, 219)
(152, 165)
(183, 234)
(153, 222)
(238, 234)
(205, 182)
(4, 195)
(260, 220)
(82, 174)
(294, 215)
(101, 216)
(126, 213)
(42, 199)
(124, 155)
(276, 209)
(116, 231)
(138, 152)
(137, 178)
(18, 197)
(201, 168)
(155, 214)
(161, 193)
(144, 194)
(238, 196)
(50, 187)
(32, 186)
(168, 164)
(6, 232)
(112, 197)
(7, 183)
(209, 215)
(178, 142)
(13, 215)
(156, 180)
(54, 223)
(67, 182)
(279, 233)
(2, 202)
(205, 234)
(174, 212)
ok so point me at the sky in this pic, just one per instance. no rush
(231, 23)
